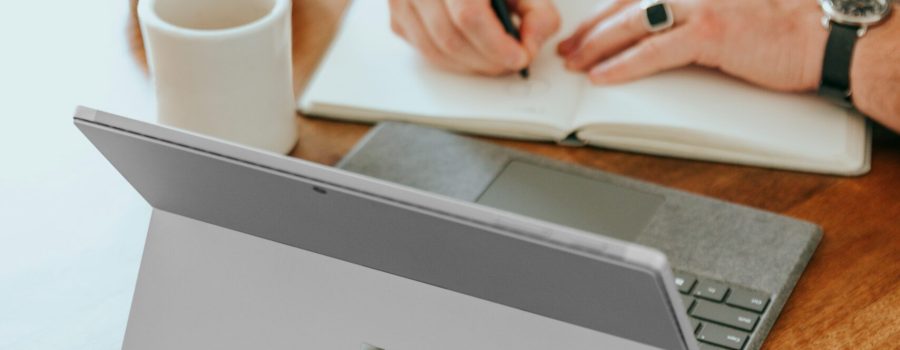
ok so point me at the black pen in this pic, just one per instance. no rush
(502, 11)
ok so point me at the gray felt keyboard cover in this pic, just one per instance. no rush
(707, 237)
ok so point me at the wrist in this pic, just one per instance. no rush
(807, 19)
(869, 77)
(814, 47)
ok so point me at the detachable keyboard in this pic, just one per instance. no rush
(722, 316)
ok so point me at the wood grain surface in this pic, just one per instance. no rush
(849, 296)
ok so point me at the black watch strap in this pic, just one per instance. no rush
(835, 85)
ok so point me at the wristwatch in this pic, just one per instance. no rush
(846, 21)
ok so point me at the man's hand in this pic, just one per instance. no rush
(467, 36)
(778, 44)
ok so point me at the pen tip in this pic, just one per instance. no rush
(524, 73)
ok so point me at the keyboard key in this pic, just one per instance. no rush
(725, 315)
(684, 282)
(722, 336)
(710, 291)
(745, 299)
(687, 301)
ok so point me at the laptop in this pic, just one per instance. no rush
(251, 249)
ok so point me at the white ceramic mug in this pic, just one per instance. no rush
(223, 68)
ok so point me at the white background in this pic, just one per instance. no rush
(71, 229)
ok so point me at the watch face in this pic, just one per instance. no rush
(860, 8)
(857, 11)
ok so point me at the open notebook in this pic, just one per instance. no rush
(369, 74)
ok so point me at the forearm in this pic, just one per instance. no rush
(875, 72)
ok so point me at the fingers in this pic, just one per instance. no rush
(540, 21)
(608, 37)
(466, 35)
(478, 23)
(619, 31)
(406, 23)
(568, 45)
(449, 40)
(653, 55)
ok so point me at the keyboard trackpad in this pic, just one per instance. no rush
(571, 200)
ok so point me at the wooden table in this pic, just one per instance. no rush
(849, 296)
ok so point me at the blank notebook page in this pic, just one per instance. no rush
(706, 104)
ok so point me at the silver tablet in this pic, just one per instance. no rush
(524, 282)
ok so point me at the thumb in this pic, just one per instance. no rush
(540, 21)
